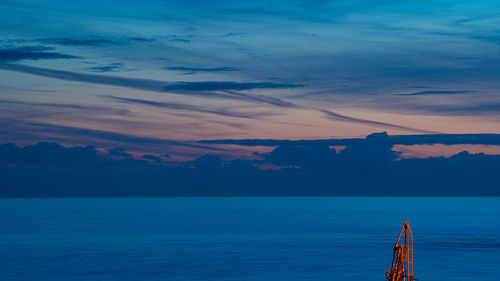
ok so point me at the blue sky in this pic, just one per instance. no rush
(106, 72)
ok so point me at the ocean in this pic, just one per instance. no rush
(245, 238)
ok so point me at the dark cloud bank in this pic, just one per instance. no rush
(49, 169)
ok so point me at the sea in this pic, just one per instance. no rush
(246, 238)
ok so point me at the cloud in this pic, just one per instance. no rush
(151, 157)
(223, 86)
(86, 108)
(320, 157)
(52, 170)
(92, 41)
(437, 93)
(181, 40)
(198, 88)
(233, 34)
(207, 161)
(204, 89)
(308, 157)
(119, 153)
(30, 53)
(142, 84)
(78, 42)
(45, 153)
(192, 70)
(41, 130)
(340, 117)
(261, 98)
(114, 67)
(377, 138)
(486, 108)
(375, 153)
(192, 108)
(116, 136)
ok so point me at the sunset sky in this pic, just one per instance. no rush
(158, 76)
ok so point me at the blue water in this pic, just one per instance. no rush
(295, 238)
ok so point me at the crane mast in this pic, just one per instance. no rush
(402, 259)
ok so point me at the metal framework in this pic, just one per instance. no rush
(402, 259)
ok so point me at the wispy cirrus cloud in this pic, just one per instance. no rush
(223, 86)
(79, 107)
(485, 108)
(114, 67)
(234, 34)
(357, 55)
(181, 40)
(437, 93)
(196, 87)
(340, 117)
(47, 131)
(186, 107)
(91, 41)
(78, 42)
(31, 53)
(193, 70)
(142, 84)
(146, 84)
(263, 99)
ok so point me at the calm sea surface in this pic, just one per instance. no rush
(257, 238)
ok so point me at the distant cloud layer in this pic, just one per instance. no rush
(52, 170)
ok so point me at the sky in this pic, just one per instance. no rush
(159, 76)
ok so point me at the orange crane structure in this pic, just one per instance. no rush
(402, 259)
